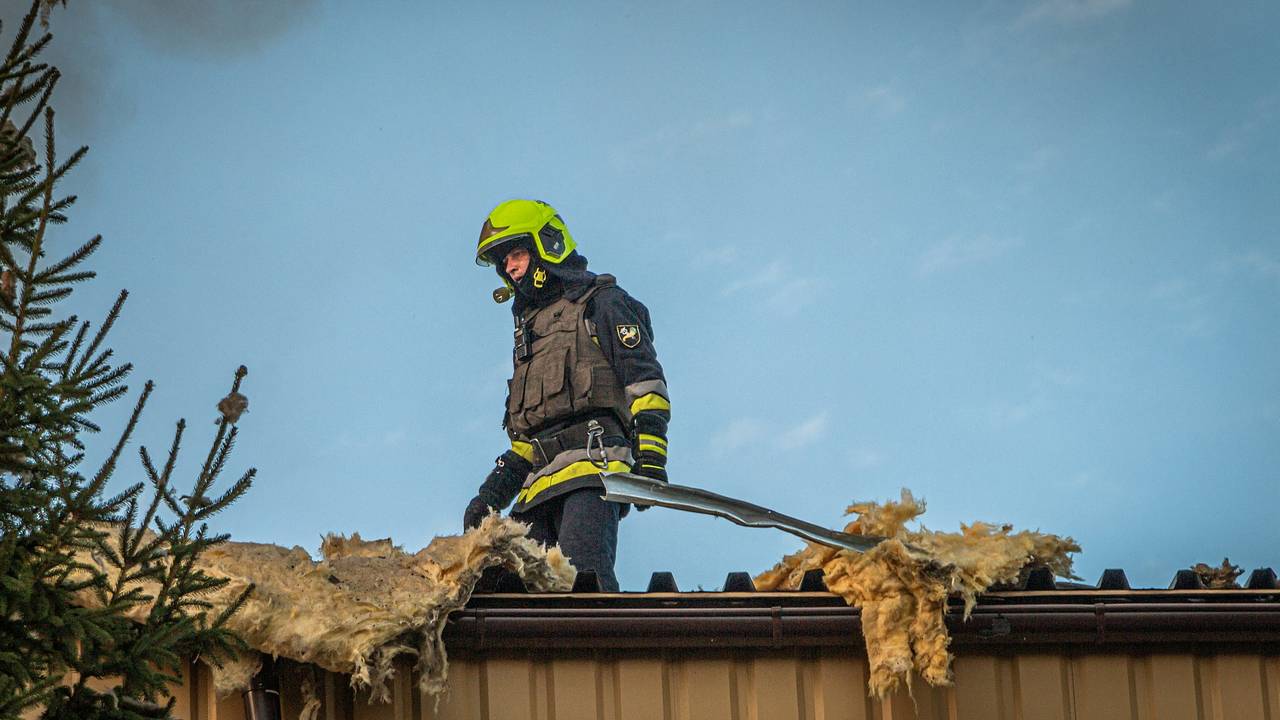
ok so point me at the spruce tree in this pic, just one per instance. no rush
(133, 616)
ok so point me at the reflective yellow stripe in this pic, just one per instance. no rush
(653, 449)
(655, 439)
(652, 401)
(570, 472)
(523, 449)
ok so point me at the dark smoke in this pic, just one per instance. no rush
(209, 27)
(80, 53)
(86, 33)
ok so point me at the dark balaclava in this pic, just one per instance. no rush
(539, 286)
(545, 282)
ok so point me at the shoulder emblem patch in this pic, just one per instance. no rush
(628, 335)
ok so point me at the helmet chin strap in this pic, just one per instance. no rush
(539, 285)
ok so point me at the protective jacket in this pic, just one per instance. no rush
(586, 387)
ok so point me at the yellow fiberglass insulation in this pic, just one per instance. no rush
(902, 585)
(367, 602)
(1218, 578)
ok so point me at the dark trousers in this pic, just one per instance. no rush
(586, 528)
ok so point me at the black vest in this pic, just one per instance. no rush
(563, 373)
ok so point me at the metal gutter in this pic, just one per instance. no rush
(782, 620)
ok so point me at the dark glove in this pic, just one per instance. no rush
(498, 489)
(476, 511)
(649, 447)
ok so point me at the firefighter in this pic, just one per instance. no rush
(586, 393)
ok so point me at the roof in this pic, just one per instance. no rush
(1039, 612)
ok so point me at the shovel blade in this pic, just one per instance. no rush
(639, 490)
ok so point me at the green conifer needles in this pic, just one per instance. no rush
(96, 591)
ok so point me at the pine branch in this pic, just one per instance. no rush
(108, 395)
(51, 345)
(17, 71)
(47, 82)
(102, 331)
(81, 253)
(109, 467)
(232, 494)
(56, 175)
(75, 346)
(76, 277)
(17, 50)
(160, 485)
(109, 377)
(16, 345)
(8, 260)
(223, 452)
(53, 375)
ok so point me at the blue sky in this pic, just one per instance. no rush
(1021, 258)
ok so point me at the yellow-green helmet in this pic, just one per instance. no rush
(515, 221)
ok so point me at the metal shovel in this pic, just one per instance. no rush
(630, 488)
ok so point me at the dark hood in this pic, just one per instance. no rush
(569, 279)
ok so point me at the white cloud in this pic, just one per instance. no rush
(789, 296)
(718, 255)
(1270, 412)
(1039, 160)
(767, 275)
(954, 253)
(1058, 376)
(1187, 305)
(366, 439)
(1034, 167)
(886, 99)
(1162, 202)
(1036, 399)
(1227, 143)
(782, 289)
(1256, 263)
(865, 458)
(1010, 413)
(1083, 478)
(738, 434)
(1071, 11)
(746, 432)
(1190, 304)
(807, 432)
(675, 139)
(1243, 133)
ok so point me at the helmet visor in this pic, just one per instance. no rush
(493, 253)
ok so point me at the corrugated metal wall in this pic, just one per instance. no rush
(814, 684)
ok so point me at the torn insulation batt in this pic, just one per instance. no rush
(366, 602)
(901, 586)
(1221, 577)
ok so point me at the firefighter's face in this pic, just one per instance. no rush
(517, 263)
